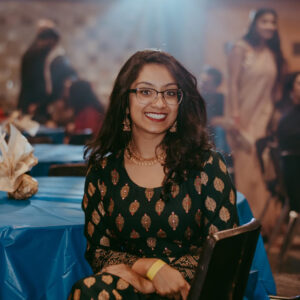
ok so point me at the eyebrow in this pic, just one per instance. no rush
(149, 83)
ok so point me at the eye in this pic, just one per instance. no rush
(171, 93)
(145, 92)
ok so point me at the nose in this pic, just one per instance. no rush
(159, 101)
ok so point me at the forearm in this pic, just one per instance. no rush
(100, 258)
(142, 265)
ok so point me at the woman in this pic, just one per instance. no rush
(88, 111)
(154, 189)
(288, 134)
(255, 71)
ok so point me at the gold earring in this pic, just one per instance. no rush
(126, 124)
(173, 128)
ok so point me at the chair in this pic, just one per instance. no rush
(290, 164)
(283, 298)
(81, 138)
(71, 169)
(39, 140)
(224, 265)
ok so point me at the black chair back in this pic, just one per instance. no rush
(72, 169)
(225, 262)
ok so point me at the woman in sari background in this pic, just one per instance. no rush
(154, 189)
(255, 73)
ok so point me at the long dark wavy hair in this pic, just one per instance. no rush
(186, 148)
(253, 38)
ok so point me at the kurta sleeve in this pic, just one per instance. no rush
(102, 247)
(218, 212)
(218, 195)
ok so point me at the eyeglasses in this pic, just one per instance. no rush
(148, 95)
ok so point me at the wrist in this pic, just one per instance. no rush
(154, 269)
(142, 265)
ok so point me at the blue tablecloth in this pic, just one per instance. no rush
(261, 271)
(56, 135)
(48, 154)
(42, 244)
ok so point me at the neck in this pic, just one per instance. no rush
(262, 44)
(146, 145)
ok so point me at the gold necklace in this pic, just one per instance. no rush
(131, 154)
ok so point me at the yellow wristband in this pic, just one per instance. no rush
(155, 268)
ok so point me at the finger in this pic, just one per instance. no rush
(185, 291)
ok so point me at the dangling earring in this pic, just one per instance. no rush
(173, 128)
(126, 122)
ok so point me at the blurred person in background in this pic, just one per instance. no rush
(88, 110)
(210, 80)
(256, 66)
(44, 69)
(288, 134)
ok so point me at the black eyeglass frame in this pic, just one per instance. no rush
(179, 97)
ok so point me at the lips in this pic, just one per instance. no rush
(156, 116)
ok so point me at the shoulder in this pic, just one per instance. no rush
(214, 165)
(242, 45)
(102, 166)
(240, 48)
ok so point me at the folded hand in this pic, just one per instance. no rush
(140, 283)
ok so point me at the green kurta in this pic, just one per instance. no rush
(124, 222)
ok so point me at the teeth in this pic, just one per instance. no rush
(156, 116)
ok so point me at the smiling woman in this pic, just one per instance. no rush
(152, 177)
(256, 66)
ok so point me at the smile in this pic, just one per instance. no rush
(156, 116)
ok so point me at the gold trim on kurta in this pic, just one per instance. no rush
(204, 178)
(91, 189)
(197, 184)
(218, 184)
(120, 222)
(224, 214)
(134, 234)
(175, 190)
(111, 206)
(173, 220)
(187, 203)
(115, 177)
(107, 279)
(95, 217)
(122, 284)
(103, 162)
(102, 188)
(105, 241)
(210, 204)
(188, 233)
(90, 228)
(133, 207)
(89, 281)
(232, 197)
(76, 295)
(85, 201)
(124, 191)
(103, 295)
(146, 222)
(212, 229)
(117, 295)
(198, 217)
(151, 242)
(222, 166)
(159, 206)
(149, 194)
(101, 208)
(161, 234)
